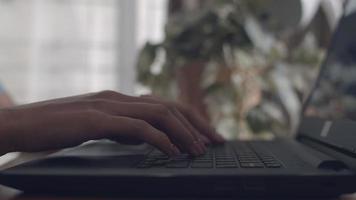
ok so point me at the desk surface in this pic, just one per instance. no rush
(11, 194)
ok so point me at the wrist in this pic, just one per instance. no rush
(6, 144)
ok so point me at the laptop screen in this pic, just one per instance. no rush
(331, 108)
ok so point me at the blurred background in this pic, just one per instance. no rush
(245, 65)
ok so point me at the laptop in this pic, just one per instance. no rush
(319, 161)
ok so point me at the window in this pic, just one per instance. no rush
(54, 48)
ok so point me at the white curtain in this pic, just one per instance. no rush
(53, 48)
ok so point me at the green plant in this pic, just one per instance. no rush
(247, 90)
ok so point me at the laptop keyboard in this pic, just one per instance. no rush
(225, 156)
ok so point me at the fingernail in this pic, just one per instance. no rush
(202, 148)
(195, 150)
(219, 138)
(205, 140)
(175, 150)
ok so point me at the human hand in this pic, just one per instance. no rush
(70, 121)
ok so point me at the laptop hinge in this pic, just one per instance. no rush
(349, 158)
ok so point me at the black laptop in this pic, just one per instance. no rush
(320, 161)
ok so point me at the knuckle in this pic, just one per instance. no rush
(139, 127)
(97, 104)
(80, 104)
(161, 111)
(106, 93)
(162, 115)
(94, 118)
(186, 108)
(163, 139)
(171, 106)
(92, 115)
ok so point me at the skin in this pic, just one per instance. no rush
(5, 101)
(67, 122)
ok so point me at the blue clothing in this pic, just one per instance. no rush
(2, 89)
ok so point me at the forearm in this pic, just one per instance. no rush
(31, 128)
(4, 140)
(5, 101)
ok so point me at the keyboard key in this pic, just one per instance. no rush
(252, 165)
(178, 164)
(248, 159)
(225, 162)
(143, 166)
(160, 162)
(184, 156)
(230, 165)
(202, 165)
(270, 162)
(203, 161)
(225, 158)
(273, 165)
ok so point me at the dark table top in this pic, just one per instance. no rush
(12, 194)
(7, 193)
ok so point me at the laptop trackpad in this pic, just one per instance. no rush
(96, 155)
